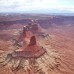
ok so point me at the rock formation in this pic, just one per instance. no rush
(33, 59)
(32, 50)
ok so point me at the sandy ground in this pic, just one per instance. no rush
(61, 41)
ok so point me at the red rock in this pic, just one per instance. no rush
(31, 51)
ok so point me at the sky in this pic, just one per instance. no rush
(37, 6)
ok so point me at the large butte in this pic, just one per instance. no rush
(32, 50)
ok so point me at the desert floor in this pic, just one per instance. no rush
(61, 41)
